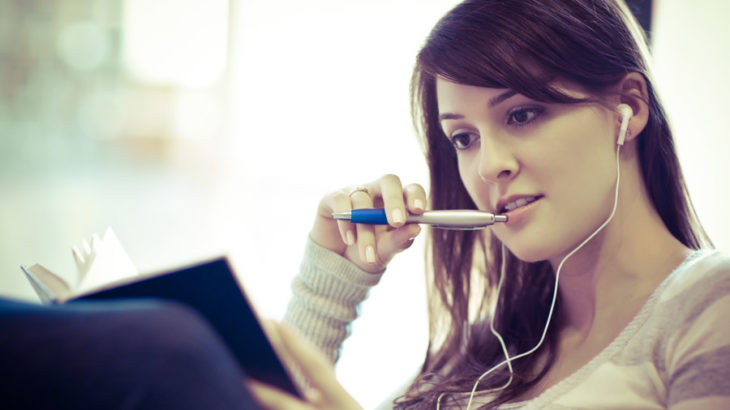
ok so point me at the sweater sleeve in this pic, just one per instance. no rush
(326, 295)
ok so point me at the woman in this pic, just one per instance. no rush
(597, 291)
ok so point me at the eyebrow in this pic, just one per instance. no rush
(491, 103)
(501, 97)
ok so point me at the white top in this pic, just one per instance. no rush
(676, 349)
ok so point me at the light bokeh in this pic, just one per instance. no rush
(187, 47)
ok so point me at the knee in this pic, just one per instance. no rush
(186, 358)
(144, 352)
(169, 328)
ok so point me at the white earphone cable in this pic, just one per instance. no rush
(508, 360)
(625, 114)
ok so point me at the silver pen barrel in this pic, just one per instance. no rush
(464, 219)
(457, 219)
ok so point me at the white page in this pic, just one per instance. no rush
(109, 263)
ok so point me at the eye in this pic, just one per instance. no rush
(523, 115)
(462, 140)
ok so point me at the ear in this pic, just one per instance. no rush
(634, 92)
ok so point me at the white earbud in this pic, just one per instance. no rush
(626, 113)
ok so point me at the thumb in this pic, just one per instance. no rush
(391, 243)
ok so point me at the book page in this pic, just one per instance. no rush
(108, 263)
(49, 286)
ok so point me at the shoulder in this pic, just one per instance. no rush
(689, 307)
(696, 349)
(701, 280)
(690, 313)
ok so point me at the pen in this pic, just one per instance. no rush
(464, 219)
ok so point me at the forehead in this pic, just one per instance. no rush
(448, 90)
(454, 97)
(451, 95)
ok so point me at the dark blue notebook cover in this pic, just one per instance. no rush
(211, 289)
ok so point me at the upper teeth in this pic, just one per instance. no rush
(519, 202)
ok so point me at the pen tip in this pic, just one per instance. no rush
(500, 218)
(341, 215)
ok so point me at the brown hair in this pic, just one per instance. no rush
(499, 43)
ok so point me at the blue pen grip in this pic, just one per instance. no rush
(369, 216)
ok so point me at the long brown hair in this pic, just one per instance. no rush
(522, 45)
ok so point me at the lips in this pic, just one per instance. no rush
(514, 202)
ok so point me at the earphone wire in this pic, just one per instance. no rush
(508, 360)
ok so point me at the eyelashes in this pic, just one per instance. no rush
(463, 140)
(516, 117)
(522, 116)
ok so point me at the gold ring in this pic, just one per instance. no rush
(359, 188)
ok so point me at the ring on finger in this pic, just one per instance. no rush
(359, 188)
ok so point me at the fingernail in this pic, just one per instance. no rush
(397, 216)
(418, 204)
(349, 238)
(370, 254)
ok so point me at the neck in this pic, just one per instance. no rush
(624, 262)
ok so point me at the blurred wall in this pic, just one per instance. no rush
(692, 61)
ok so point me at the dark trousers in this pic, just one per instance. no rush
(114, 355)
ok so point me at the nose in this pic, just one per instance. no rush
(496, 161)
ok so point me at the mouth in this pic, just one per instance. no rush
(506, 207)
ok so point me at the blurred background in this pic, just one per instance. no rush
(196, 129)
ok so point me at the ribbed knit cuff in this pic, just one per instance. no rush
(334, 275)
(326, 296)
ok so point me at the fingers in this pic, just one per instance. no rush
(387, 192)
(339, 235)
(272, 333)
(365, 232)
(392, 242)
(376, 246)
(317, 369)
(391, 192)
(370, 246)
(341, 203)
(324, 393)
(273, 398)
(415, 198)
(398, 200)
(313, 364)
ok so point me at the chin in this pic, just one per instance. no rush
(529, 252)
(530, 255)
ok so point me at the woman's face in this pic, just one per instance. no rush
(550, 168)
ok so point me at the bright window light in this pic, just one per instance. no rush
(176, 42)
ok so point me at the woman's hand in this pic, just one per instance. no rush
(370, 247)
(325, 393)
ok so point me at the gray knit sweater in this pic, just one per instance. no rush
(675, 352)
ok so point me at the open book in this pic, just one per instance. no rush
(100, 263)
(209, 287)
